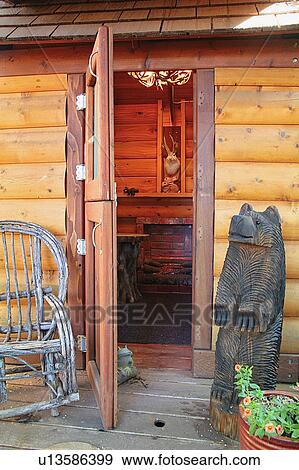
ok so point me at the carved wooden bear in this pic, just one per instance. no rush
(248, 309)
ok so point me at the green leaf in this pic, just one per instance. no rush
(260, 433)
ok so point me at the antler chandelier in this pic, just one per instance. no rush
(163, 77)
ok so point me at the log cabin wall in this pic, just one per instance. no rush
(136, 134)
(257, 161)
(33, 157)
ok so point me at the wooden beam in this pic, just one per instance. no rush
(270, 51)
(75, 209)
(203, 227)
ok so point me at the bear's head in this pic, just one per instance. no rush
(256, 228)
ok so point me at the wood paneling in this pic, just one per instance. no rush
(257, 181)
(257, 143)
(135, 167)
(40, 109)
(38, 145)
(134, 149)
(160, 207)
(28, 83)
(48, 212)
(32, 181)
(144, 184)
(134, 133)
(257, 105)
(257, 77)
(257, 153)
(135, 114)
(289, 212)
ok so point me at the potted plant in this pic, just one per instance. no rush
(268, 419)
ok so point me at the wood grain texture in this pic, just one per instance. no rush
(257, 143)
(291, 250)
(256, 105)
(130, 207)
(257, 181)
(136, 114)
(134, 149)
(290, 336)
(75, 210)
(38, 109)
(203, 227)
(143, 183)
(134, 133)
(38, 145)
(49, 212)
(31, 83)
(291, 296)
(289, 212)
(257, 77)
(135, 167)
(169, 54)
(32, 181)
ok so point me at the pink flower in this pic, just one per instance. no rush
(238, 367)
(279, 429)
(247, 401)
(270, 428)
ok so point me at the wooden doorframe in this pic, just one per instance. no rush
(75, 210)
(203, 219)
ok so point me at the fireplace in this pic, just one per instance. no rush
(166, 254)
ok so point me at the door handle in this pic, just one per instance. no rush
(93, 237)
(90, 64)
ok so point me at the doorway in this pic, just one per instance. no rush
(154, 220)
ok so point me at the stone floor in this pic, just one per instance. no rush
(170, 396)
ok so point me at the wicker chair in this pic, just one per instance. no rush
(36, 321)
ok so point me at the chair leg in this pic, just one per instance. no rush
(3, 390)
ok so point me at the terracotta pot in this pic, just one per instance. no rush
(249, 442)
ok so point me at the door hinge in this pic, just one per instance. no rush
(81, 246)
(81, 343)
(80, 172)
(81, 102)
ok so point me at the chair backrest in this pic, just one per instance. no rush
(23, 249)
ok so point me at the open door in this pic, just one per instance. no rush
(100, 230)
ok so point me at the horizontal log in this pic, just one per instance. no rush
(50, 279)
(30, 83)
(292, 257)
(30, 181)
(290, 336)
(260, 143)
(136, 114)
(33, 145)
(144, 184)
(48, 261)
(135, 132)
(50, 213)
(289, 212)
(40, 109)
(256, 105)
(136, 150)
(291, 303)
(159, 207)
(257, 181)
(257, 76)
(135, 167)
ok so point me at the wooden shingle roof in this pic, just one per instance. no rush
(77, 19)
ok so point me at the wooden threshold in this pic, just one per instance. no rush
(161, 356)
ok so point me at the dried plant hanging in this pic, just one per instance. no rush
(161, 78)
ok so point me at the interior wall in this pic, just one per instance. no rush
(257, 161)
(136, 124)
(32, 156)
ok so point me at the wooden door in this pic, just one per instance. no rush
(100, 230)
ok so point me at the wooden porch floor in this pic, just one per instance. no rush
(172, 396)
